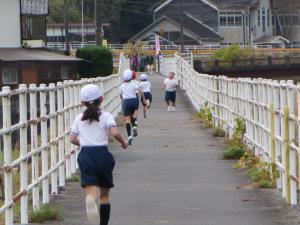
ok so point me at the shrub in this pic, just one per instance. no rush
(46, 212)
(233, 152)
(260, 173)
(219, 132)
(98, 61)
(205, 116)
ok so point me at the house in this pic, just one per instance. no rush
(22, 37)
(227, 21)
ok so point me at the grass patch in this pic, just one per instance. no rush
(205, 116)
(260, 173)
(219, 132)
(47, 212)
(233, 152)
(73, 179)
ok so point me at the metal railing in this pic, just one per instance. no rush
(45, 156)
(270, 110)
(75, 45)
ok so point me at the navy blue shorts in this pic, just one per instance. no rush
(129, 106)
(96, 166)
(170, 96)
(148, 96)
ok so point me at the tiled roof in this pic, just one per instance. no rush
(286, 5)
(234, 3)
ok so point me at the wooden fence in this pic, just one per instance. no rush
(45, 158)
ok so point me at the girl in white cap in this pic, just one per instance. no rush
(145, 86)
(129, 96)
(90, 131)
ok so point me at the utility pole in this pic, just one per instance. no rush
(98, 22)
(66, 26)
(181, 27)
(82, 22)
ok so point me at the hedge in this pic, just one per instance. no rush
(98, 61)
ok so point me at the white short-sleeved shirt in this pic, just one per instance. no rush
(171, 84)
(145, 86)
(129, 90)
(95, 133)
(137, 83)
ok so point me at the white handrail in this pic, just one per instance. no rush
(58, 104)
(267, 108)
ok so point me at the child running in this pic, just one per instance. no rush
(145, 86)
(170, 85)
(90, 131)
(129, 94)
(134, 120)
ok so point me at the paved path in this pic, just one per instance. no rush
(172, 175)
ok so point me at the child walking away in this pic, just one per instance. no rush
(90, 131)
(129, 94)
(170, 85)
(145, 86)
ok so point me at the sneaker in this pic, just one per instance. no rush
(92, 210)
(135, 131)
(173, 109)
(169, 108)
(130, 139)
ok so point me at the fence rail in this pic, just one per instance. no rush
(270, 110)
(75, 45)
(45, 157)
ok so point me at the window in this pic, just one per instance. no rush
(9, 76)
(258, 17)
(64, 71)
(268, 17)
(231, 19)
(264, 19)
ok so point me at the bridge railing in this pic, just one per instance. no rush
(43, 158)
(270, 110)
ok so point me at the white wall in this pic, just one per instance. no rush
(10, 34)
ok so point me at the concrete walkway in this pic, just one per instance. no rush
(172, 175)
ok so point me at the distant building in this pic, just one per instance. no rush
(56, 32)
(227, 21)
(23, 24)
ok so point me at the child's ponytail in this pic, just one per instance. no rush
(92, 112)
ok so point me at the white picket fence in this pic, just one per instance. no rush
(269, 109)
(48, 154)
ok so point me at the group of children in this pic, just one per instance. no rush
(90, 131)
(129, 93)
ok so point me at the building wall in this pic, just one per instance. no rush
(257, 29)
(232, 35)
(10, 34)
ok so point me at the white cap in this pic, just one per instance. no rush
(144, 77)
(127, 75)
(90, 92)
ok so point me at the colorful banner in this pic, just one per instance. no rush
(157, 44)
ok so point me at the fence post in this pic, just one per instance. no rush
(34, 145)
(271, 125)
(60, 123)
(283, 104)
(286, 154)
(7, 148)
(67, 127)
(53, 135)
(292, 137)
(23, 152)
(277, 131)
(44, 142)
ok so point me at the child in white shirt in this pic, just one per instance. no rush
(170, 85)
